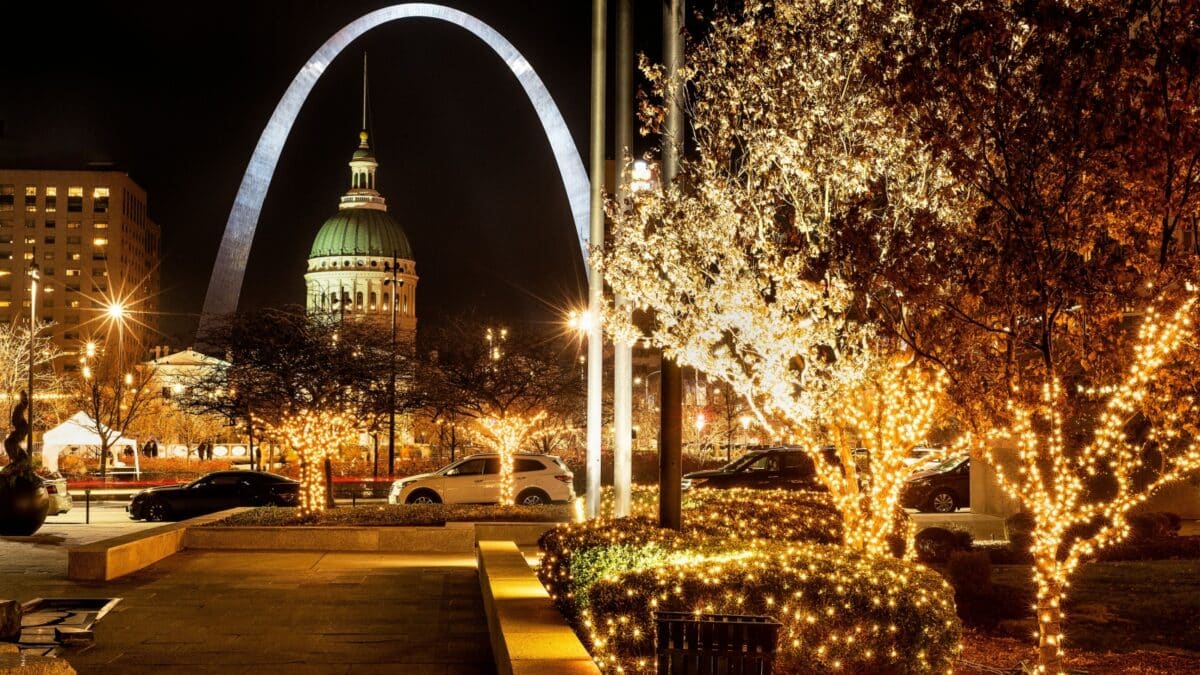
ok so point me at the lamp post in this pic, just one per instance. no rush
(393, 284)
(34, 276)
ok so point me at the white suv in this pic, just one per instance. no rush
(537, 479)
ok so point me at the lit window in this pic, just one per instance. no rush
(72, 224)
(75, 199)
(99, 272)
(29, 255)
(100, 200)
(51, 199)
(31, 199)
(6, 198)
(6, 303)
(74, 303)
(30, 240)
(73, 272)
(4, 273)
(100, 226)
(48, 255)
(73, 255)
(100, 241)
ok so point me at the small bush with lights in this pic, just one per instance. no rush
(750, 552)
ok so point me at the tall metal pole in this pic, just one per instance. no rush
(622, 352)
(33, 286)
(670, 444)
(595, 364)
(392, 380)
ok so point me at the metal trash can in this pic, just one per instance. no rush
(715, 644)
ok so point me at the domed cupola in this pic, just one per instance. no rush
(359, 252)
(362, 225)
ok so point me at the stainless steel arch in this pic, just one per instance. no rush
(225, 284)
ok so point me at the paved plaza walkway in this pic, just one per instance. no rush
(268, 612)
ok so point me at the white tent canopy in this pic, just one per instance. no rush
(80, 432)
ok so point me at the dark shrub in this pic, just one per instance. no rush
(978, 601)
(936, 544)
(969, 570)
(1153, 525)
(1162, 548)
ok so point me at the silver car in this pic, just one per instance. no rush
(537, 479)
(60, 497)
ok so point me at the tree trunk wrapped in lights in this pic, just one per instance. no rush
(1080, 496)
(314, 435)
(890, 413)
(509, 433)
(793, 139)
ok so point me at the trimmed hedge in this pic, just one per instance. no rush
(750, 554)
(398, 515)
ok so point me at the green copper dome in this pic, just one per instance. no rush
(365, 231)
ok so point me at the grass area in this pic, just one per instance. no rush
(1125, 606)
(399, 515)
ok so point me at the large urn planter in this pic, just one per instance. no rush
(24, 504)
(24, 501)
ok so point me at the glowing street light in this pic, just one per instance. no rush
(115, 311)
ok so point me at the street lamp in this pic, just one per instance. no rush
(34, 276)
(394, 284)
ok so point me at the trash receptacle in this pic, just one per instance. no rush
(715, 644)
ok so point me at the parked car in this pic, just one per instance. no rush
(944, 488)
(919, 455)
(217, 491)
(537, 479)
(60, 497)
(787, 467)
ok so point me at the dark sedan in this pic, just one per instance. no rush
(214, 492)
(944, 488)
(783, 467)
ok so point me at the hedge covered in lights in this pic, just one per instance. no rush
(746, 553)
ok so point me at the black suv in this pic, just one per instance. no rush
(944, 488)
(783, 467)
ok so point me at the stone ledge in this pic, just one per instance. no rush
(528, 635)
(451, 538)
(109, 559)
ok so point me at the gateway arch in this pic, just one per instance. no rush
(225, 284)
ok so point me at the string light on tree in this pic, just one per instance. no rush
(1080, 496)
(314, 435)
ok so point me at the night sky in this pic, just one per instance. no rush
(176, 94)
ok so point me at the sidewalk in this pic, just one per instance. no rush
(293, 612)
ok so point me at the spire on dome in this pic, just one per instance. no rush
(362, 192)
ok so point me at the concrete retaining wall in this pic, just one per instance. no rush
(452, 538)
(528, 635)
(111, 558)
